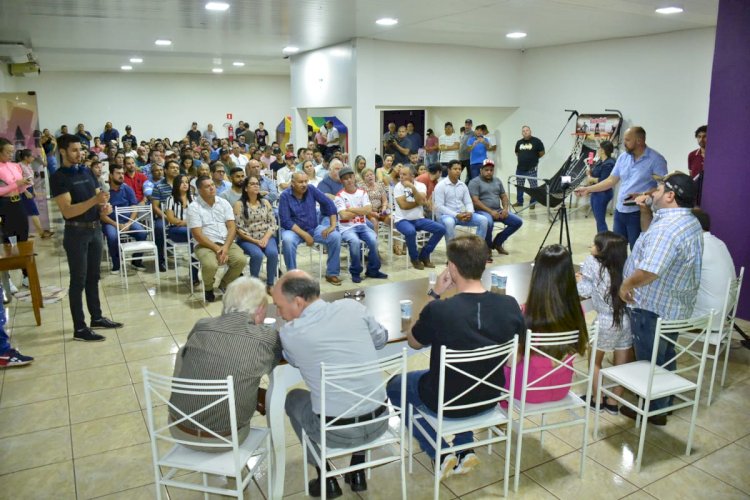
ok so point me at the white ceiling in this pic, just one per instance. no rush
(101, 35)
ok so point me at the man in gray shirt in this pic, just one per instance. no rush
(491, 201)
(341, 332)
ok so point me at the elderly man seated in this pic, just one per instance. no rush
(237, 343)
(315, 333)
(299, 222)
(453, 204)
(353, 205)
(211, 223)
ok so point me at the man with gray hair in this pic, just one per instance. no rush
(236, 343)
(315, 333)
(331, 183)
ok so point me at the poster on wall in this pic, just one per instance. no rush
(596, 128)
(19, 123)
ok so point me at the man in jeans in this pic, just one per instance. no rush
(662, 273)
(453, 204)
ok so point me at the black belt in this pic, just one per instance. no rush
(11, 199)
(362, 418)
(87, 225)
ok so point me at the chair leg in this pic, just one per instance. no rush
(642, 438)
(726, 358)
(205, 484)
(269, 469)
(596, 413)
(411, 439)
(305, 466)
(693, 417)
(519, 444)
(541, 432)
(714, 362)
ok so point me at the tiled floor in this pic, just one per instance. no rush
(72, 424)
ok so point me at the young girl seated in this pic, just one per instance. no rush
(600, 278)
(553, 306)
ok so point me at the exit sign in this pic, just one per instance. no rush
(229, 116)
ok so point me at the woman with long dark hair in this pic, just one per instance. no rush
(256, 230)
(553, 306)
(175, 211)
(600, 171)
(600, 278)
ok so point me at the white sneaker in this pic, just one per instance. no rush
(447, 466)
(13, 290)
(466, 464)
(25, 281)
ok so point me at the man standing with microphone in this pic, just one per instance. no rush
(80, 200)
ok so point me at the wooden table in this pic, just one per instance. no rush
(21, 256)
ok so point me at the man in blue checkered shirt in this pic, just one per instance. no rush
(662, 273)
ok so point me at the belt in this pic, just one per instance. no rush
(362, 418)
(87, 225)
(12, 198)
(201, 432)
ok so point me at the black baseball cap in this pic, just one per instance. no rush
(681, 184)
(468, 120)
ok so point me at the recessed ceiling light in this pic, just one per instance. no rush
(386, 21)
(669, 10)
(126, 67)
(136, 60)
(290, 49)
(217, 6)
(163, 42)
(239, 64)
(217, 70)
(516, 34)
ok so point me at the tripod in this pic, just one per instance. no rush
(562, 215)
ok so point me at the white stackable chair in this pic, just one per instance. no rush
(143, 215)
(721, 340)
(196, 264)
(173, 248)
(650, 381)
(571, 405)
(451, 362)
(394, 437)
(240, 461)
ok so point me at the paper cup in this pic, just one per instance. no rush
(406, 309)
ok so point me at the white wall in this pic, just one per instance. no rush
(660, 82)
(156, 105)
(5, 80)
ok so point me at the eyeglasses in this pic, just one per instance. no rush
(220, 171)
(253, 184)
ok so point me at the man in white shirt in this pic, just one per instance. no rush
(449, 143)
(332, 138)
(453, 204)
(353, 206)
(411, 197)
(237, 157)
(284, 174)
(717, 269)
(211, 224)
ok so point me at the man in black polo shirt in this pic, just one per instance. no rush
(528, 151)
(77, 193)
(470, 319)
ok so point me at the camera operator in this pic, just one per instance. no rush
(400, 146)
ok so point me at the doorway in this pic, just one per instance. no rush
(402, 117)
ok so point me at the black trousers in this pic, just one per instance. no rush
(15, 219)
(83, 247)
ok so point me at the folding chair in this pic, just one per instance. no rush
(394, 436)
(721, 340)
(143, 216)
(571, 405)
(240, 461)
(172, 249)
(452, 365)
(650, 381)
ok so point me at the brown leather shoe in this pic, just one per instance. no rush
(500, 249)
(427, 263)
(517, 204)
(655, 420)
(334, 280)
(417, 264)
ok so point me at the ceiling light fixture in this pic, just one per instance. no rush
(290, 49)
(126, 67)
(387, 21)
(238, 64)
(217, 70)
(217, 6)
(669, 10)
(136, 60)
(163, 42)
(516, 34)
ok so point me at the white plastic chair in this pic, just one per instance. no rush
(650, 381)
(394, 436)
(571, 405)
(721, 340)
(143, 215)
(173, 249)
(453, 365)
(240, 461)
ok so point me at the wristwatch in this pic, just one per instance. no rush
(432, 293)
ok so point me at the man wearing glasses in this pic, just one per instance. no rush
(218, 175)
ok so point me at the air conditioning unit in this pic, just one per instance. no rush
(23, 69)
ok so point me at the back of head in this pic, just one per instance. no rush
(703, 218)
(612, 252)
(300, 285)
(469, 254)
(553, 304)
(244, 295)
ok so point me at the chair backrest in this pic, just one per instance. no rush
(140, 215)
(332, 377)
(536, 345)
(480, 368)
(731, 300)
(217, 394)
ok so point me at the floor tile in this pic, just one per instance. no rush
(163, 365)
(50, 481)
(728, 464)
(95, 477)
(146, 492)
(94, 379)
(21, 392)
(692, 483)
(96, 436)
(104, 403)
(52, 364)
(33, 417)
(26, 451)
(149, 348)
(527, 489)
(85, 355)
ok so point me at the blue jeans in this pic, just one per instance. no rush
(256, 253)
(290, 240)
(521, 182)
(52, 164)
(412, 397)
(451, 222)
(179, 234)
(628, 225)
(599, 202)
(110, 232)
(643, 326)
(353, 236)
(512, 224)
(474, 170)
(409, 229)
